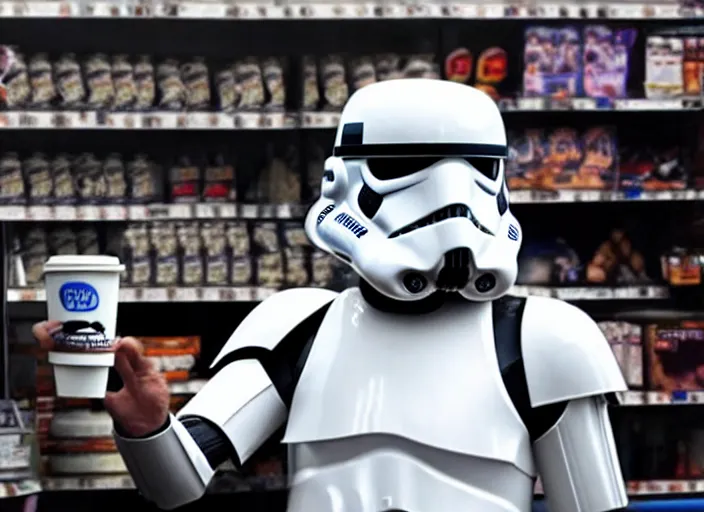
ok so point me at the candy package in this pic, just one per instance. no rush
(606, 57)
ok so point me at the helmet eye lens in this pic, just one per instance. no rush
(489, 167)
(394, 168)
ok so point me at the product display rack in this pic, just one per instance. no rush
(218, 30)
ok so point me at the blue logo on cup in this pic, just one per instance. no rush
(79, 297)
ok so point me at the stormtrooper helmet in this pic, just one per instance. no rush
(414, 197)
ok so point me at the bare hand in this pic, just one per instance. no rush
(142, 405)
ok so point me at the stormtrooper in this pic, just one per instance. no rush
(426, 388)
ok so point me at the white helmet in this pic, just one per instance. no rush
(414, 198)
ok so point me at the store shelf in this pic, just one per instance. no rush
(152, 212)
(635, 488)
(594, 293)
(19, 488)
(602, 196)
(253, 293)
(190, 387)
(91, 120)
(362, 10)
(167, 294)
(640, 398)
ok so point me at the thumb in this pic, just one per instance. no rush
(114, 402)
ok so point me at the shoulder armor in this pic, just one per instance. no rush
(565, 354)
(274, 318)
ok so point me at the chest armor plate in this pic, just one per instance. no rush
(432, 379)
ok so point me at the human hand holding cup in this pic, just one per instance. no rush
(142, 405)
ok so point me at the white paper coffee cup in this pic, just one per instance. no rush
(82, 292)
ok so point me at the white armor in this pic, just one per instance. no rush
(458, 406)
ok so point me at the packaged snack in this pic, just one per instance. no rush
(270, 270)
(296, 269)
(62, 241)
(69, 81)
(87, 241)
(228, 93)
(563, 159)
(241, 271)
(676, 356)
(215, 245)
(316, 167)
(492, 70)
(691, 67)
(18, 90)
(616, 262)
(599, 170)
(138, 249)
(40, 185)
(420, 66)
(606, 60)
(172, 91)
(238, 238)
(250, 84)
(334, 81)
(459, 65)
(278, 181)
(115, 179)
(64, 180)
(273, 77)
(388, 67)
(191, 254)
(35, 252)
(362, 72)
(91, 184)
(184, 182)
(143, 180)
(42, 81)
(174, 357)
(311, 88)
(194, 76)
(265, 235)
(219, 181)
(101, 90)
(164, 243)
(146, 85)
(663, 67)
(321, 269)
(527, 159)
(634, 356)
(124, 82)
(12, 188)
(538, 58)
(294, 234)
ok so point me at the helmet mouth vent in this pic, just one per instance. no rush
(455, 274)
(453, 211)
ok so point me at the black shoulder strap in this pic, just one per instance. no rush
(507, 313)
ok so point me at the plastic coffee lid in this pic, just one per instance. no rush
(78, 263)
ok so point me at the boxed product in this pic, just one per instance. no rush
(675, 353)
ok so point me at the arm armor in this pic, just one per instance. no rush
(239, 408)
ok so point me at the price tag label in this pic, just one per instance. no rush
(40, 213)
(154, 295)
(210, 294)
(13, 213)
(248, 211)
(228, 211)
(283, 211)
(206, 211)
(113, 213)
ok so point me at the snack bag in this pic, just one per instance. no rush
(362, 72)
(69, 81)
(12, 188)
(64, 180)
(333, 77)
(599, 170)
(146, 85)
(273, 77)
(38, 179)
(194, 76)
(219, 181)
(115, 179)
(250, 84)
(227, 90)
(563, 159)
(527, 159)
(184, 181)
(42, 81)
(664, 67)
(164, 244)
(190, 247)
(124, 83)
(311, 88)
(388, 66)
(606, 58)
(538, 60)
(99, 79)
(566, 76)
(215, 245)
(492, 70)
(15, 88)
(143, 180)
(172, 91)
(91, 184)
